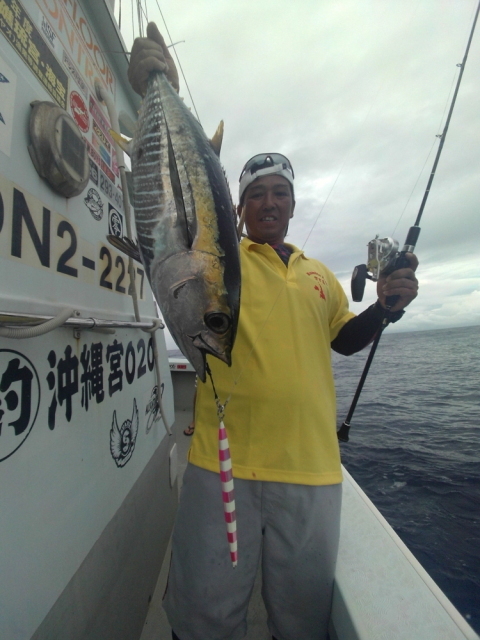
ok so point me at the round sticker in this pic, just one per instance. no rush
(79, 111)
(94, 203)
(115, 222)
(19, 400)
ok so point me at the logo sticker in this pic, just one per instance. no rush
(122, 439)
(320, 280)
(49, 33)
(101, 136)
(93, 171)
(75, 74)
(19, 400)
(105, 155)
(79, 111)
(115, 222)
(152, 410)
(94, 203)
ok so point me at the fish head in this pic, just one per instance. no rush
(190, 291)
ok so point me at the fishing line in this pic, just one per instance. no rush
(145, 12)
(132, 17)
(346, 157)
(284, 284)
(331, 190)
(346, 425)
(351, 150)
(400, 260)
(139, 18)
(447, 102)
(179, 63)
(348, 153)
(443, 135)
(414, 187)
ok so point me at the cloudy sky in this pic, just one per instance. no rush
(354, 92)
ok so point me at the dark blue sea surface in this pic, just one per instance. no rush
(415, 449)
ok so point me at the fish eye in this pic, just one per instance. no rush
(217, 322)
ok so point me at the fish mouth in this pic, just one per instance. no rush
(206, 345)
(196, 348)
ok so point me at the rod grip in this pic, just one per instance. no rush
(412, 237)
(401, 262)
(342, 433)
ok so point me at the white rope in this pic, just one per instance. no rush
(156, 324)
(21, 333)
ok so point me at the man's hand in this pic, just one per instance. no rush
(150, 54)
(401, 282)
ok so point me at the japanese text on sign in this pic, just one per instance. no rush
(71, 375)
(41, 238)
(74, 383)
(78, 38)
(17, 27)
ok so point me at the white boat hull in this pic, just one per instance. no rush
(87, 469)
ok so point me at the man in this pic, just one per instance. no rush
(280, 419)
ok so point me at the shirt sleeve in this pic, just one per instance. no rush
(359, 331)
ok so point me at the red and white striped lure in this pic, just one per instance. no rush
(228, 494)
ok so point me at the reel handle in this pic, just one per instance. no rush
(359, 277)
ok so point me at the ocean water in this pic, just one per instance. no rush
(415, 449)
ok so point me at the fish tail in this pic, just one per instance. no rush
(228, 493)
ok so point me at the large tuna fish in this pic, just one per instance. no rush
(185, 225)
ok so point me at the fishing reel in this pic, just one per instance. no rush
(382, 254)
(383, 258)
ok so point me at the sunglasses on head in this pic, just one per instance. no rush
(264, 160)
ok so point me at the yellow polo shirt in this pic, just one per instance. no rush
(281, 417)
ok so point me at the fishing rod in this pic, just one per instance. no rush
(384, 257)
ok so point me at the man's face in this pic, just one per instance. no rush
(268, 208)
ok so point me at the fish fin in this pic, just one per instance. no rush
(125, 245)
(182, 221)
(217, 139)
(123, 142)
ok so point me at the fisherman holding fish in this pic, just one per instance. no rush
(280, 419)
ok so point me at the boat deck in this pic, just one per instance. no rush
(156, 625)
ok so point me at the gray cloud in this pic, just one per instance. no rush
(354, 92)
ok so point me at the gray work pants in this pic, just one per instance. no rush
(293, 528)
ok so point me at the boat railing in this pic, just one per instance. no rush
(75, 321)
